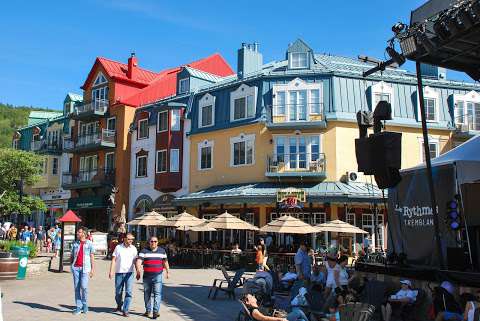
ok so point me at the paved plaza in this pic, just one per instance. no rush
(51, 297)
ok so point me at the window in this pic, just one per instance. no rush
(161, 161)
(280, 103)
(297, 105)
(242, 150)
(109, 162)
(206, 111)
(162, 124)
(100, 95)
(434, 150)
(243, 108)
(315, 101)
(298, 100)
(183, 85)
(430, 110)
(111, 123)
(382, 91)
(174, 160)
(175, 125)
(297, 152)
(70, 164)
(142, 131)
(467, 110)
(351, 219)
(55, 166)
(298, 60)
(318, 218)
(100, 79)
(205, 152)
(142, 166)
(242, 103)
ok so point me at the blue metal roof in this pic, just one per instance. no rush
(266, 193)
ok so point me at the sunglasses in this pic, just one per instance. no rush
(130, 239)
(153, 241)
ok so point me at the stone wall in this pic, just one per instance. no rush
(38, 266)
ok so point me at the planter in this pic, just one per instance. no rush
(38, 266)
(8, 266)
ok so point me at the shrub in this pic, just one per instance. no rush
(6, 246)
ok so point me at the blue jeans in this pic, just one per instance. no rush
(153, 285)
(80, 284)
(297, 315)
(123, 280)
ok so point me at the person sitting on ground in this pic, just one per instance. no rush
(252, 306)
(318, 277)
(287, 280)
(236, 249)
(445, 305)
(395, 302)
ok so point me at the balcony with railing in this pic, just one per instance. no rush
(295, 116)
(467, 125)
(45, 147)
(91, 109)
(89, 178)
(103, 138)
(295, 165)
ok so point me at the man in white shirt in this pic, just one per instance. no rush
(123, 263)
(405, 296)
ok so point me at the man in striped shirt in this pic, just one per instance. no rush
(154, 261)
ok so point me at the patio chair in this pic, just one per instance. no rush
(356, 311)
(228, 285)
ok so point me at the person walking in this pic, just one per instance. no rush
(123, 262)
(41, 238)
(82, 269)
(154, 260)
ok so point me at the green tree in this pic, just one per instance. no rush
(17, 166)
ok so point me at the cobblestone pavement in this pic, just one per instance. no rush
(50, 297)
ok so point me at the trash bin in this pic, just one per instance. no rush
(22, 253)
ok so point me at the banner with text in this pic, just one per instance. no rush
(410, 215)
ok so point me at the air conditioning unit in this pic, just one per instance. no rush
(349, 177)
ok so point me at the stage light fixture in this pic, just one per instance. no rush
(453, 214)
(408, 45)
(398, 27)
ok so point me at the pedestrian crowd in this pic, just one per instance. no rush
(47, 240)
(127, 264)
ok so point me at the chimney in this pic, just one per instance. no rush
(132, 66)
(249, 59)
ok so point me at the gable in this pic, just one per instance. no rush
(100, 79)
(299, 46)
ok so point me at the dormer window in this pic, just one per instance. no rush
(430, 99)
(242, 103)
(382, 91)
(298, 60)
(183, 85)
(100, 80)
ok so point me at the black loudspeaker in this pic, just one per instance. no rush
(456, 259)
(364, 155)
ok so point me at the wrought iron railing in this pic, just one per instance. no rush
(295, 112)
(98, 105)
(98, 137)
(97, 175)
(296, 162)
(467, 122)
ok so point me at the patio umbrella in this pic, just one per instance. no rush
(148, 219)
(227, 221)
(199, 228)
(182, 220)
(339, 227)
(289, 225)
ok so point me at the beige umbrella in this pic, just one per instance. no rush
(289, 225)
(227, 221)
(339, 227)
(148, 219)
(199, 228)
(182, 220)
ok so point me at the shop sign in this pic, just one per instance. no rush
(86, 202)
(291, 197)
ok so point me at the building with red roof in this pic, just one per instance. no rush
(98, 175)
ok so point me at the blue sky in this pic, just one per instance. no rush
(48, 47)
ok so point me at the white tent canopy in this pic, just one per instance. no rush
(465, 157)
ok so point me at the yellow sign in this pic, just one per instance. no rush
(290, 192)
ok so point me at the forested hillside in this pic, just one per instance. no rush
(12, 117)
